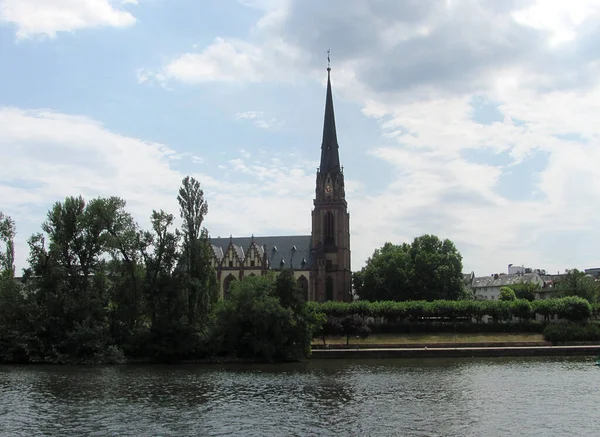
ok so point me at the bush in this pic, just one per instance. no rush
(571, 332)
(253, 324)
(460, 328)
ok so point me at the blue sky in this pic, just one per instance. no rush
(473, 120)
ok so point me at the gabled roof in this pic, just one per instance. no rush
(504, 280)
(293, 249)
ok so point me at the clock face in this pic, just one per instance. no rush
(328, 189)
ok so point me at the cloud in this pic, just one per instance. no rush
(422, 69)
(257, 117)
(48, 155)
(48, 17)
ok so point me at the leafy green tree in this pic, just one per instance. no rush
(159, 251)
(354, 326)
(427, 269)
(525, 290)
(68, 278)
(577, 283)
(199, 277)
(507, 294)
(254, 323)
(126, 308)
(7, 238)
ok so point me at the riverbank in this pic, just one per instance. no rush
(454, 352)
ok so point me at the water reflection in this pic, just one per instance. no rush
(450, 397)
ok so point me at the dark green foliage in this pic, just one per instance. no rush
(7, 253)
(571, 308)
(428, 327)
(428, 269)
(577, 283)
(571, 332)
(525, 290)
(262, 319)
(507, 294)
(98, 288)
(354, 326)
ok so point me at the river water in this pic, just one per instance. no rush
(433, 397)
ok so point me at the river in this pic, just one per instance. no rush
(411, 397)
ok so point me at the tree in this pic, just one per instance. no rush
(525, 290)
(255, 322)
(427, 269)
(67, 275)
(507, 294)
(199, 277)
(7, 238)
(577, 283)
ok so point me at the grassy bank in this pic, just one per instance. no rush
(435, 338)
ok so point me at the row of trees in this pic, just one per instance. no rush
(570, 308)
(100, 288)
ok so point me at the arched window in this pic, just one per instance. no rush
(227, 284)
(329, 288)
(328, 228)
(303, 283)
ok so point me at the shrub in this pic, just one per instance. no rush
(571, 332)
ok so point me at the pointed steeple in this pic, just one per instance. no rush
(330, 158)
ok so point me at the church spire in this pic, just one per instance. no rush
(330, 158)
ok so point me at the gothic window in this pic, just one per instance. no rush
(328, 225)
(329, 288)
(227, 284)
(303, 282)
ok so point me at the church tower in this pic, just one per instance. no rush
(331, 275)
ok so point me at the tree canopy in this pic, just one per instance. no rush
(578, 283)
(427, 269)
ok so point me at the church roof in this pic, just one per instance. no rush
(293, 249)
(330, 158)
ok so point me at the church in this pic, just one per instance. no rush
(320, 261)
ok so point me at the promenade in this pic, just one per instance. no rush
(463, 351)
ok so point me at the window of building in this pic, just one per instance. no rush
(303, 282)
(328, 228)
(251, 263)
(329, 288)
(230, 263)
(329, 264)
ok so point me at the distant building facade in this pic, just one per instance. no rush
(488, 287)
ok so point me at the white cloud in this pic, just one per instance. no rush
(47, 156)
(259, 120)
(416, 68)
(47, 17)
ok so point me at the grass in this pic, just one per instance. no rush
(435, 338)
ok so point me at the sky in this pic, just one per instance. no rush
(472, 120)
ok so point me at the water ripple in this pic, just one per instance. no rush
(461, 397)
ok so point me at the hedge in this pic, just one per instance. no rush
(571, 332)
(570, 308)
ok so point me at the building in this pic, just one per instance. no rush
(321, 260)
(513, 270)
(488, 287)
